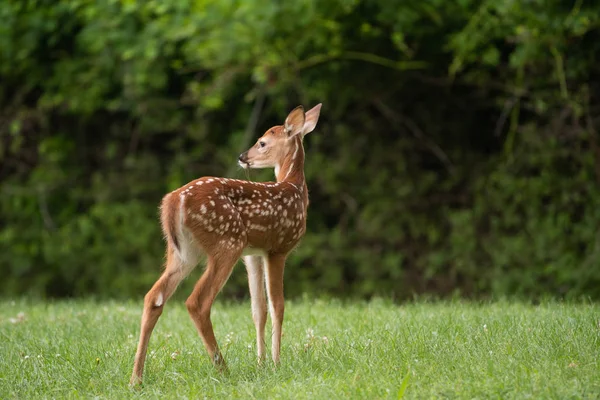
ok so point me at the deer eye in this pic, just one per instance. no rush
(262, 144)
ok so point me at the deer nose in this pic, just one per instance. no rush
(243, 157)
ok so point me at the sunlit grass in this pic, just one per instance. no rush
(331, 350)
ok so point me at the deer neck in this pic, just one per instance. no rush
(291, 168)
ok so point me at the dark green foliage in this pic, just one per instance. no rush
(457, 151)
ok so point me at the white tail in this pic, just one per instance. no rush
(225, 219)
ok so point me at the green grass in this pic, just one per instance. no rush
(331, 350)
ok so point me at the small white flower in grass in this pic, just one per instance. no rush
(57, 355)
(313, 340)
(20, 318)
(228, 340)
(153, 354)
(26, 357)
(130, 336)
(310, 336)
(485, 328)
(174, 354)
(310, 333)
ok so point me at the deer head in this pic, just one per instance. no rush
(280, 142)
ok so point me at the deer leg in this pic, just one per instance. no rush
(275, 267)
(256, 283)
(175, 271)
(218, 269)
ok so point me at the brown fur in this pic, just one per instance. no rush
(168, 213)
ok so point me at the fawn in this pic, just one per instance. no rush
(225, 219)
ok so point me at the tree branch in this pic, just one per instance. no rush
(416, 132)
(361, 56)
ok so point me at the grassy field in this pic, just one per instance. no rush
(331, 350)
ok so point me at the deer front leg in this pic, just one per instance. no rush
(275, 267)
(256, 283)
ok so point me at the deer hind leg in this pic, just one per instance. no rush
(256, 283)
(218, 268)
(175, 271)
(275, 267)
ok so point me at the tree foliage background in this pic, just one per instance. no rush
(457, 151)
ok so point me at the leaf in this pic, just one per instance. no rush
(404, 385)
(491, 56)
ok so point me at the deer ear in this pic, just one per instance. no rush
(311, 118)
(294, 123)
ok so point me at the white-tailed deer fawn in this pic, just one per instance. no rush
(225, 219)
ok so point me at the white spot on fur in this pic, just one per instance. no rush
(159, 300)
